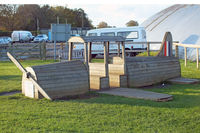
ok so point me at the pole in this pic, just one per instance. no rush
(185, 49)
(55, 32)
(57, 19)
(38, 28)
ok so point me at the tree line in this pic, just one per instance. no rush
(30, 17)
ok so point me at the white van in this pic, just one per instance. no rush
(21, 36)
(132, 34)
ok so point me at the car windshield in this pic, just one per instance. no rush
(40, 36)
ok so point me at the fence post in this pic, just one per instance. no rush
(44, 50)
(197, 58)
(40, 47)
(185, 49)
(176, 51)
(148, 48)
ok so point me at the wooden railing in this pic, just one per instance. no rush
(185, 51)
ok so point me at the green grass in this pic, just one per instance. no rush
(104, 113)
(145, 54)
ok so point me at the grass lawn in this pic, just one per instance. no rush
(104, 113)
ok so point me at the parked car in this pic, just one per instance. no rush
(4, 41)
(41, 38)
(22, 36)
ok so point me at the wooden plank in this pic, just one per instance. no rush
(106, 59)
(197, 58)
(185, 49)
(30, 76)
(70, 51)
(187, 45)
(86, 54)
(137, 93)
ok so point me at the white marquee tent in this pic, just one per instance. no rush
(183, 21)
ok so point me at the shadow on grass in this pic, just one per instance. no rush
(10, 77)
(184, 96)
(179, 101)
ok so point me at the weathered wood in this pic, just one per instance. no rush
(183, 81)
(185, 50)
(166, 46)
(139, 94)
(89, 52)
(30, 77)
(98, 82)
(61, 82)
(118, 49)
(148, 49)
(116, 80)
(106, 59)
(176, 51)
(86, 54)
(70, 51)
(197, 58)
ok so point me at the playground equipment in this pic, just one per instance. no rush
(144, 71)
(100, 73)
(128, 71)
(54, 80)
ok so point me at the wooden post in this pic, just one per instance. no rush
(40, 46)
(124, 56)
(185, 49)
(148, 48)
(176, 51)
(86, 54)
(89, 51)
(106, 59)
(43, 50)
(108, 48)
(197, 58)
(118, 50)
(70, 51)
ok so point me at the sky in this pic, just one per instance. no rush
(119, 14)
(113, 12)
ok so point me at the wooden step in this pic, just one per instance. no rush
(181, 80)
(99, 82)
(116, 80)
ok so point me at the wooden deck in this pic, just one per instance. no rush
(183, 81)
(138, 94)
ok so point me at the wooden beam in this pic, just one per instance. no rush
(89, 51)
(108, 48)
(148, 49)
(70, 51)
(185, 49)
(123, 51)
(197, 58)
(106, 59)
(176, 51)
(86, 54)
(28, 76)
(124, 56)
(118, 49)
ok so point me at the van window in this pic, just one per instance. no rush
(128, 34)
(92, 34)
(108, 34)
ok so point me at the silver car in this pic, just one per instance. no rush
(41, 38)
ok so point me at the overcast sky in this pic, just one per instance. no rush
(119, 14)
(114, 12)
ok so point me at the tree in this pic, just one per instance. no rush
(26, 17)
(102, 25)
(132, 23)
(7, 17)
